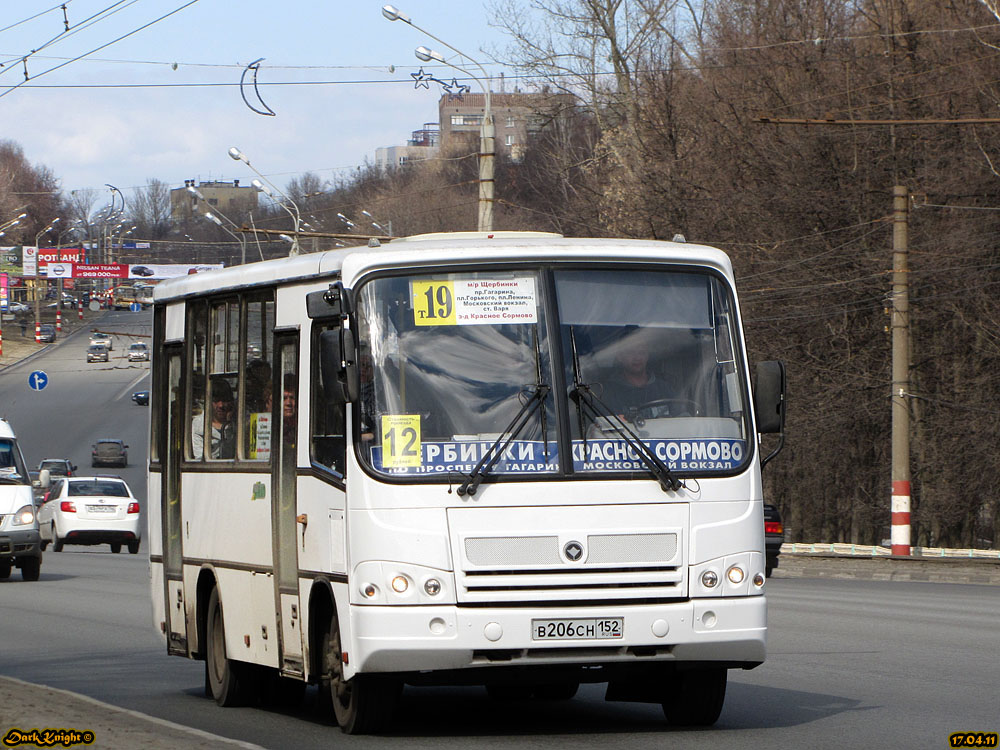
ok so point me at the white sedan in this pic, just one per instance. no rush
(90, 510)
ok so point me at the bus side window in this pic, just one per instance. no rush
(328, 431)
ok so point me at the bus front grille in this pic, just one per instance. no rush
(612, 567)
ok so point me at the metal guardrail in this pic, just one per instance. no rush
(870, 550)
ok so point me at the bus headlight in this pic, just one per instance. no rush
(400, 584)
(736, 575)
(709, 579)
(432, 586)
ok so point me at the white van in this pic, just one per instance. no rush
(19, 541)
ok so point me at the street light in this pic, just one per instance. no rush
(38, 313)
(378, 226)
(216, 220)
(487, 137)
(239, 238)
(238, 155)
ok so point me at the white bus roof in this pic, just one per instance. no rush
(442, 249)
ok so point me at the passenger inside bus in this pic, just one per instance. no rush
(222, 414)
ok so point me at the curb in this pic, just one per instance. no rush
(924, 570)
(31, 707)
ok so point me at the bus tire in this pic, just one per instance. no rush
(362, 704)
(695, 697)
(557, 691)
(227, 679)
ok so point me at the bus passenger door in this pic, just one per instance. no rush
(170, 503)
(283, 502)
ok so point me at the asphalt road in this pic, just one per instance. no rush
(851, 663)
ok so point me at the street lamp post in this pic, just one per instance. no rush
(269, 190)
(487, 132)
(216, 220)
(242, 240)
(35, 285)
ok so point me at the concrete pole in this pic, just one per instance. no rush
(900, 534)
(487, 152)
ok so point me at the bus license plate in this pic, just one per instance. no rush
(583, 629)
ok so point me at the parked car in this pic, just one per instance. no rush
(57, 467)
(90, 510)
(138, 352)
(46, 333)
(141, 398)
(774, 537)
(18, 308)
(98, 353)
(109, 452)
(97, 338)
(19, 542)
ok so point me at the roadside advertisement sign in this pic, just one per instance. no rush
(59, 270)
(171, 271)
(100, 271)
(29, 260)
(3, 292)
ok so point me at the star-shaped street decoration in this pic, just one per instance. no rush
(455, 90)
(420, 78)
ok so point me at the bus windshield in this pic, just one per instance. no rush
(639, 366)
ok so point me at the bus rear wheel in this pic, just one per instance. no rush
(227, 680)
(695, 697)
(361, 704)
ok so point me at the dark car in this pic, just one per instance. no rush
(109, 452)
(141, 398)
(57, 467)
(97, 353)
(47, 333)
(774, 537)
(142, 271)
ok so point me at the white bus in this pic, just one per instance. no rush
(511, 460)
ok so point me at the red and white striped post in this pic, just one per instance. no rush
(38, 332)
(900, 531)
(79, 309)
(59, 320)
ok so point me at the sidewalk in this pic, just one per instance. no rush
(17, 347)
(26, 707)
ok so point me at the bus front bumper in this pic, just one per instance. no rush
(408, 639)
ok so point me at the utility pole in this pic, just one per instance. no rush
(900, 533)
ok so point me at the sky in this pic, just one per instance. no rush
(336, 73)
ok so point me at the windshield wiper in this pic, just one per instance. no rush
(583, 396)
(535, 401)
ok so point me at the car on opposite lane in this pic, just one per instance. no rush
(90, 510)
(109, 452)
(774, 537)
(99, 338)
(138, 352)
(98, 353)
(141, 398)
(46, 333)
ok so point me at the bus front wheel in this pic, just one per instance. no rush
(695, 698)
(226, 679)
(364, 702)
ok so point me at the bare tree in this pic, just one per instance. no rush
(149, 209)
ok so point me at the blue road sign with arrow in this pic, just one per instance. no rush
(38, 380)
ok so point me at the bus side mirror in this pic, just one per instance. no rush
(334, 302)
(769, 397)
(339, 366)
